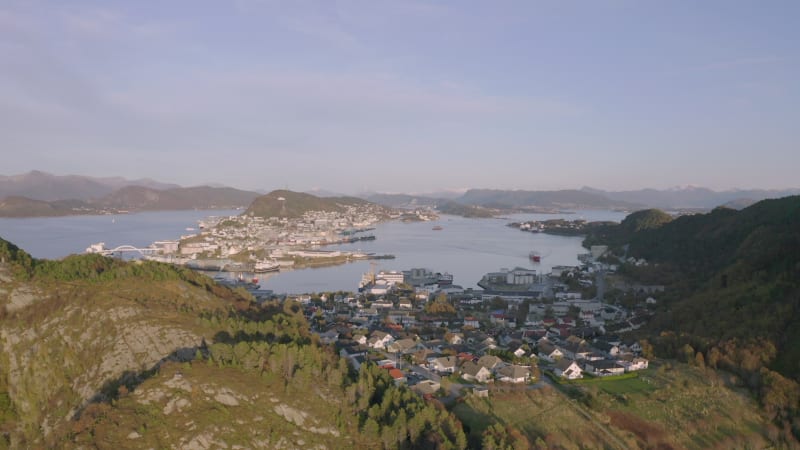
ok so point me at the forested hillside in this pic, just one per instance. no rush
(733, 292)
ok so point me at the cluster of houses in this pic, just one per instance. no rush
(570, 358)
(467, 354)
(496, 355)
(565, 335)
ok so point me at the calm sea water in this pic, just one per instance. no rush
(56, 237)
(466, 248)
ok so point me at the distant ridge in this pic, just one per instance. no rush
(200, 197)
(37, 185)
(692, 197)
(403, 200)
(18, 206)
(131, 198)
(571, 198)
(587, 198)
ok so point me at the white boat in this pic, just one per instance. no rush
(263, 266)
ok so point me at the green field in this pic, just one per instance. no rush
(667, 406)
(639, 385)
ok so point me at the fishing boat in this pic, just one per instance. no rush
(437, 228)
(535, 257)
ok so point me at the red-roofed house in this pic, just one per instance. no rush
(397, 375)
(470, 321)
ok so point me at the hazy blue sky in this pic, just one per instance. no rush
(404, 95)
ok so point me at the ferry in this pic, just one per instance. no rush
(264, 266)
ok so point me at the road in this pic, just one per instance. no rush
(425, 373)
(600, 283)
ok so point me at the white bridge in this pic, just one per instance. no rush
(100, 248)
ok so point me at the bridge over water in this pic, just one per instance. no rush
(100, 248)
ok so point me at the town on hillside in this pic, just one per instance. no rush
(426, 331)
(443, 341)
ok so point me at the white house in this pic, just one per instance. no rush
(474, 372)
(382, 303)
(634, 364)
(379, 339)
(549, 352)
(604, 368)
(514, 374)
(471, 321)
(445, 364)
(569, 369)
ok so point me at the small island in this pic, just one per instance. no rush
(560, 227)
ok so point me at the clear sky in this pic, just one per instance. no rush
(404, 95)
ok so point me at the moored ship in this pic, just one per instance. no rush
(264, 266)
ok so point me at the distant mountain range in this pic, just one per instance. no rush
(589, 198)
(493, 199)
(565, 199)
(37, 194)
(403, 200)
(47, 187)
(692, 197)
(200, 197)
(42, 194)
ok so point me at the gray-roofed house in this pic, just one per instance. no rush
(514, 374)
(474, 372)
(445, 364)
(569, 369)
(604, 368)
(489, 361)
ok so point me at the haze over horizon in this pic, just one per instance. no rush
(409, 96)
